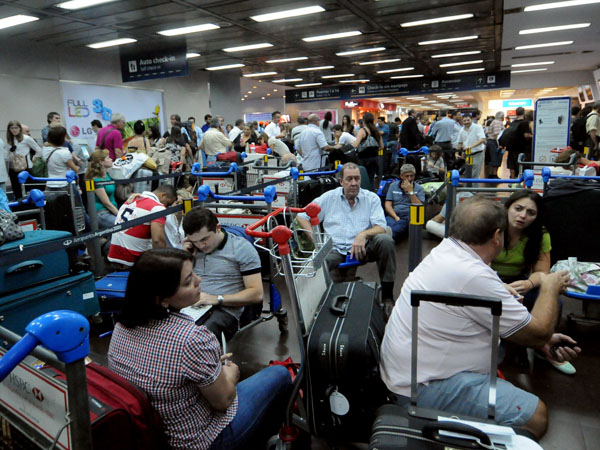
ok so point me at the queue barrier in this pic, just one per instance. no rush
(547, 175)
(404, 152)
(270, 194)
(521, 162)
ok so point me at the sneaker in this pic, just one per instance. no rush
(565, 367)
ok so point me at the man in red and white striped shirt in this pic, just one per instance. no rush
(127, 245)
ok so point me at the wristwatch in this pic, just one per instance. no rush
(411, 193)
(220, 299)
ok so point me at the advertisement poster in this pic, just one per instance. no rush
(551, 127)
(84, 102)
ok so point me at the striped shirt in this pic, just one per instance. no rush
(171, 359)
(343, 222)
(127, 245)
(494, 129)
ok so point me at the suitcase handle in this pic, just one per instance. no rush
(339, 305)
(494, 304)
(431, 431)
(25, 266)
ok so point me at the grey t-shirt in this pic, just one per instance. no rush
(223, 269)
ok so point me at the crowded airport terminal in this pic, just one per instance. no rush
(293, 225)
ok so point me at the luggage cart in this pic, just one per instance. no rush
(35, 198)
(297, 268)
(217, 179)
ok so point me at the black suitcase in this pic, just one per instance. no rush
(311, 188)
(344, 387)
(413, 427)
(61, 214)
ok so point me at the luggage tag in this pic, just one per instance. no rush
(338, 403)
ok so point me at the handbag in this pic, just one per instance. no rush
(18, 163)
(9, 227)
(368, 147)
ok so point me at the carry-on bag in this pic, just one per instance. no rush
(344, 386)
(111, 291)
(311, 188)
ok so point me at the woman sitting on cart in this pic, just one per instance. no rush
(526, 252)
(191, 384)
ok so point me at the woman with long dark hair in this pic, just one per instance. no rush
(526, 254)
(326, 127)
(368, 142)
(347, 125)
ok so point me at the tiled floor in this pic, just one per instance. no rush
(573, 402)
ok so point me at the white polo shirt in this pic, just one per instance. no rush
(347, 138)
(470, 136)
(451, 339)
(272, 130)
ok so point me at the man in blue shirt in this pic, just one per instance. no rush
(206, 126)
(400, 196)
(354, 219)
(384, 130)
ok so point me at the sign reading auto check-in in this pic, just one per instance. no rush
(160, 63)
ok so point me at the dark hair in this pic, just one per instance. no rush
(176, 136)
(207, 116)
(301, 120)
(51, 115)
(198, 218)
(534, 232)
(139, 127)
(177, 117)
(192, 118)
(476, 219)
(154, 132)
(274, 113)
(164, 265)
(381, 118)
(519, 111)
(97, 123)
(337, 127)
(585, 111)
(369, 122)
(167, 189)
(326, 119)
(347, 124)
(57, 135)
(239, 122)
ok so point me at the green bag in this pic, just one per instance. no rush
(40, 167)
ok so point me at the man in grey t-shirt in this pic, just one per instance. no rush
(229, 267)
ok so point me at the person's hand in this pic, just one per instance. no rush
(558, 280)
(556, 350)
(512, 291)
(521, 286)
(407, 186)
(225, 358)
(188, 246)
(359, 250)
(207, 299)
(232, 371)
(133, 197)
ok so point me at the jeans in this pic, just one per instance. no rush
(262, 399)
(399, 227)
(105, 219)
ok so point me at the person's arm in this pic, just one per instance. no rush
(221, 394)
(359, 250)
(103, 197)
(389, 209)
(251, 294)
(118, 141)
(359, 137)
(71, 165)
(34, 146)
(157, 231)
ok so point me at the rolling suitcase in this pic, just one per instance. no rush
(111, 291)
(413, 427)
(344, 387)
(75, 293)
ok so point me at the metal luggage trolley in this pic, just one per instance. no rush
(35, 198)
(218, 178)
(297, 267)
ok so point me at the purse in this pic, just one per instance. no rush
(9, 227)
(368, 147)
(18, 163)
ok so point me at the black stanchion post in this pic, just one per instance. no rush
(380, 164)
(450, 202)
(469, 165)
(417, 220)
(94, 245)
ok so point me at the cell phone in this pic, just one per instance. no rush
(561, 344)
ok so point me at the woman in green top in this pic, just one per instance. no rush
(526, 254)
(106, 205)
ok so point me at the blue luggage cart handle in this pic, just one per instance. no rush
(295, 173)
(196, 171)
(35, 196)
(527, 177)
(70, 177)
(269, 195)
(403, 151)
(547, 174)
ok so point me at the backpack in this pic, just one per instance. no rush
(579, 133)
(40, 166)
(508, 137)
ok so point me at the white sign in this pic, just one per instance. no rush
(551, 127)
(83, 103)
(219, 185)
(38, 400)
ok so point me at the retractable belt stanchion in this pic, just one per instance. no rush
(417, 220)
(97, 258)
(469, 165)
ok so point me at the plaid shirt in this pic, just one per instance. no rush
(171, 359)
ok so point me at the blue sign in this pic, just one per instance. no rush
(523, 103)
(159, 63)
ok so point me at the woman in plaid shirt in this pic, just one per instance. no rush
(179, 364)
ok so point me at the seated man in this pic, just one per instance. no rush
(400, 196)
(127, 245)
(229, 267)
(354, 219)
(454, 342)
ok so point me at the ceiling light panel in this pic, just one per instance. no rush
(297, 58)
(400, 77)
(286, 80)
(19, 19)
(463, 63)
(343, 75)
(189, 30)
(541, 63)
(309, 69)
(228, 66)
(381, 61)
(418, 23)
(80, 4)
(355, 81)
(247, 47)
(326, 37)
(308, 84)
(259, 74)
(364, 50)
(287, 14)
(547, 44)
(565, 4)
(528, 70)
(479, 69)
(112, 43)
(192, 55)
(400, 69)
(573, 26)
(448, 40)
(450, 55)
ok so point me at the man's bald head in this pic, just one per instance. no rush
(476, 220)
(313, 118)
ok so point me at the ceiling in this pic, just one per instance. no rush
(496, 23)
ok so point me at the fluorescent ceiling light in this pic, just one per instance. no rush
(431, 101)
(547, 44)
(287, 80)
(447, 40)
(541, 63)
(415, 98)
(450, 55)
(355, 81)
(528, 70)
(289, 13)
(464, 63)
(364, 50)
(247, 47)
(400, 69)
(457, 100)
(406, 76)
(479, 69)
(343, 75)
(308, 69)
(190, 29)
(555, 28)
(325, 37)
(436, 20)
(192, 55)
(308, 84)
(260, 74)
(297, 58)
(16, 20)
(228, 66)
(566, 4)
(381, 61)
(112, 43)
(79, 4)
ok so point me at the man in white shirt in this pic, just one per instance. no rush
(472, 136)
(454, 342)
(236, 130)
(312, 143)
(273, 130)
(214, 141)
(342, 137)
(298, 129)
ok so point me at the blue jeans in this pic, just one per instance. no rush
(399, 227)
(261, 402)
(105, 219)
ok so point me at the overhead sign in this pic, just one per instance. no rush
(159, 63)
(551, 127)
(350, 104)
(368, 104)
(411, 86)
(522, 102)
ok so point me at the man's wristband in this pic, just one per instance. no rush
(411, 193)
(532, 285)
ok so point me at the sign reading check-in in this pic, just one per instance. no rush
(160, 63)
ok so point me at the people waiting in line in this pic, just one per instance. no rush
(312, 144)
(19, 148)
(174, 223)
(454, 342)
(472, 137)
(493, 154)
(139, 143)
(106, 204)
(326, 127)
(368, 142)
(191, 384)
(110, 137)
(52, 116)
(58, 158)
(400, 196)
(236, 130)
(342, 137)
(244, 139)
(592, 128)
(214, 141)
(298, 129)
(230, 269)
(347, 126)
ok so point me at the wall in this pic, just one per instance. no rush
(552, 79)
(30, 88)
(225, 96)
